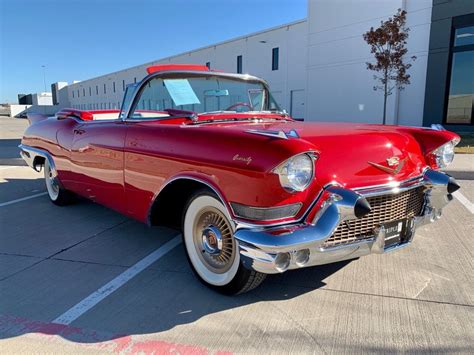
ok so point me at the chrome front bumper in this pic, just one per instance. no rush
(274, 250)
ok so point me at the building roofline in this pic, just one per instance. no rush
(252, 34)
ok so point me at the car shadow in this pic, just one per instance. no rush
(11, 189)
(167, 299)
(160, 298)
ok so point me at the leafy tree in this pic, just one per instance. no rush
(388, 45)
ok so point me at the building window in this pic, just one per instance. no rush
(105, 89)
(78, 93)
(123, 85)
(208, 65)
(84, 92)
(134, 80)
(460, 100)
(90, 91)
(114, 85)
(73, 94)
(239, 64)
(275, 58)
(97, 89)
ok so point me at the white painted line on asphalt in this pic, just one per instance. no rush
(90, 301)
(22, 199)
(463, 199)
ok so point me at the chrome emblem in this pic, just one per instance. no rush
(246, 160)
(394, 162)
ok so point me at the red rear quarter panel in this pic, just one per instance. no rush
(55, 137)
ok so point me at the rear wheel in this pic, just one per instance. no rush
(211, 248)
(58, 195)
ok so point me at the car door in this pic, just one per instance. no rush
(97, 158)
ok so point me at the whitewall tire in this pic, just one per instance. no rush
(58, 195)
(211, 248)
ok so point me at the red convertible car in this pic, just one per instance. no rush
(253, 191)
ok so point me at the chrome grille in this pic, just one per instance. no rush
(385, 208)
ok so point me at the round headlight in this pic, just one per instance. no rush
(444, 155)
(296, 173)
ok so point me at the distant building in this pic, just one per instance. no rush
(55, 91)
(25, 99)
(38, 99)
(317, 67)
(42, 99)
(41, 103)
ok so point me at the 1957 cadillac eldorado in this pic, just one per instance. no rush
(254, 191)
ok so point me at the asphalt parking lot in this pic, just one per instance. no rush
(55, 262)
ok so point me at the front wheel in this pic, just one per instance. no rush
(211, 248)
(57, 194)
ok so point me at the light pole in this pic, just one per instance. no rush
(44, 76)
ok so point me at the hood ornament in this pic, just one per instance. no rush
(395, 165)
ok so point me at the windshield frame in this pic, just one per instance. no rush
(184, 74)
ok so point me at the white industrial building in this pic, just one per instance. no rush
(255, 50)
(316, 67)
(42, 99)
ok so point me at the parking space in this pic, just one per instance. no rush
(52, 259)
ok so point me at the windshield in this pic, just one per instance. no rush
(206, 94)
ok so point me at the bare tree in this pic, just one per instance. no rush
(388, 45)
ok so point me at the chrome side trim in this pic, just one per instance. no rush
(29, 155)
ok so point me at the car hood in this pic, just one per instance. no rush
(354, 155)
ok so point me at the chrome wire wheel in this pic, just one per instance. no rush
(213, 240)
(52, 183)
(209, 241)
